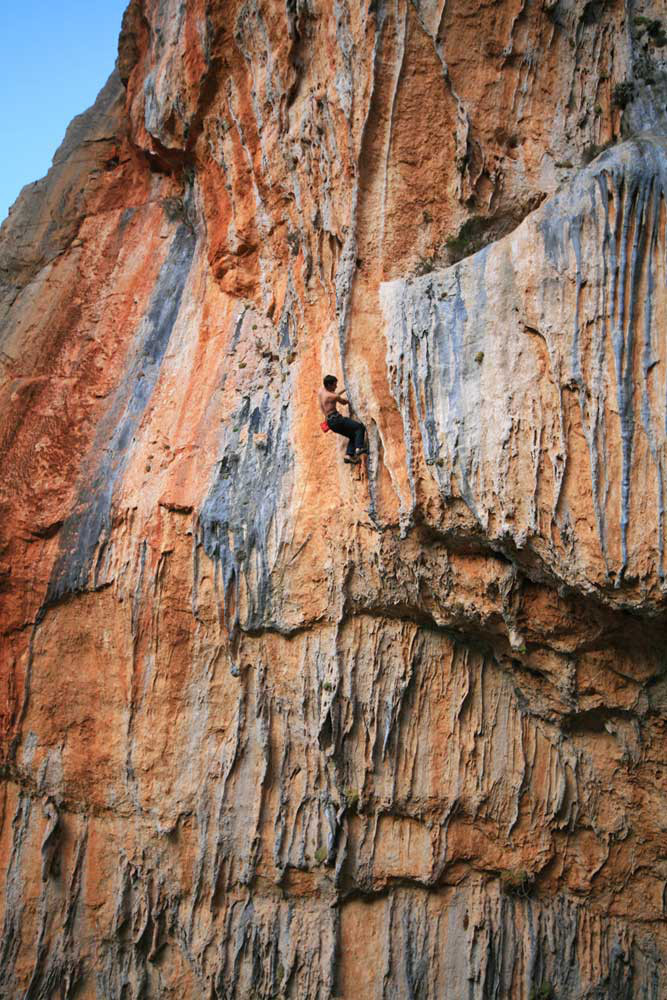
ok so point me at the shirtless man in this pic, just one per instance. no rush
(351, 429)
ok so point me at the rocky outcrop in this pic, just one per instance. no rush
(275, 727)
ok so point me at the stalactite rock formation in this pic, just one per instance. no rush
(271, 726)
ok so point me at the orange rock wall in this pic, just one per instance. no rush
(275, 727)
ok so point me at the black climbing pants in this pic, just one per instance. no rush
(352, 429)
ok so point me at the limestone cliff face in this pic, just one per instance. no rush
(272, 727)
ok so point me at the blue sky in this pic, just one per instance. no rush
(55, 56)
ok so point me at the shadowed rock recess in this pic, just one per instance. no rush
(275, 727)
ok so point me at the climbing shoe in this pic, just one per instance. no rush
(352, 460)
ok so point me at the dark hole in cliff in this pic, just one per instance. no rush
(594, 150)
(46, 530)
(594, 11)
(593, 720)
(478, 231)
(516, 882)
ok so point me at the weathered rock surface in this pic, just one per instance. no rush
(271, 727)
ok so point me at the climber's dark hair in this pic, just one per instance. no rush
(330, 382)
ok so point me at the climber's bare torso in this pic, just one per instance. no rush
(328, 400)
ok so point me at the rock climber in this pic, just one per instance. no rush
(354, 430)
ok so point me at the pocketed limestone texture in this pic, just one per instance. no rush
(275, 727)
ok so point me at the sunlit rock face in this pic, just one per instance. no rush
(537, 371)
(272, 726)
